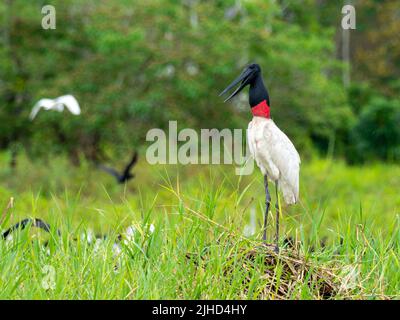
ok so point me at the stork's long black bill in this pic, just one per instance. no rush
(242, 78)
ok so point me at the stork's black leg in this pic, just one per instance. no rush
(277, 219)
(267, 203)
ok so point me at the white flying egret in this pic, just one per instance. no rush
(272, 150)
(57, 104)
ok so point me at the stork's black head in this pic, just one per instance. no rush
(251, 75)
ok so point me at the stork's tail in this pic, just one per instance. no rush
(290, 196)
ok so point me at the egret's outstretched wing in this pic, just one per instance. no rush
(42, 103)
(111, 171)
(57, 104)
(70, 102)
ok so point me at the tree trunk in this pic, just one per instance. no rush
(346, 56)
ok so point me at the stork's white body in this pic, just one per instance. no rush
(276, 156)
(57, 104)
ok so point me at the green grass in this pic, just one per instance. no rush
(197, 211)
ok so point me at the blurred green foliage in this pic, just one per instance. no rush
(134, 65)
(377, 132)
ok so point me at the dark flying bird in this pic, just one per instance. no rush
(126, 173)
(272, 150)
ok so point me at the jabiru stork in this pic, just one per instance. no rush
(272, 150)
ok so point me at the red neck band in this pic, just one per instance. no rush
(261, 110)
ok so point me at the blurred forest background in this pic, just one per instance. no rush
(135, 65)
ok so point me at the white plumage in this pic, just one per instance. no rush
(276, 156)
(57, 104)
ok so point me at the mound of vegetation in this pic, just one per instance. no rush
(284, 273)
